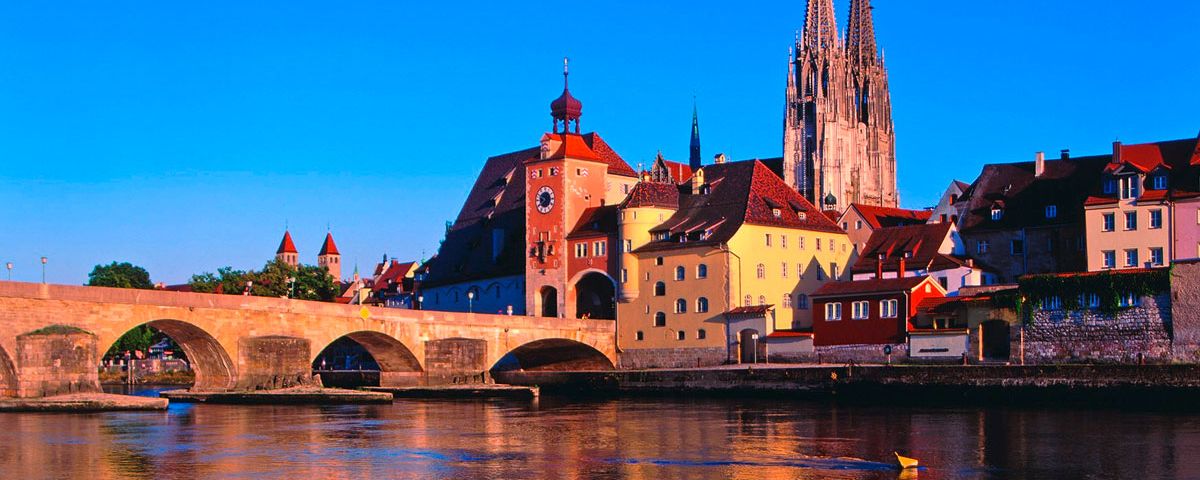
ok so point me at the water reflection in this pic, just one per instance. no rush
(631, 438)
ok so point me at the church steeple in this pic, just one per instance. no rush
(860, 33)
(820, 26)
(286, 252)
(694, 153)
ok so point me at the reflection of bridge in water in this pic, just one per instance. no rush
(53, 335)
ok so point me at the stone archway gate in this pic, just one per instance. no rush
(52, 336)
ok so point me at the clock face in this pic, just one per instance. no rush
(544, 199)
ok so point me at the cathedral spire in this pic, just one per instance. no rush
(860, 33)
(694, 153)
(820, 26)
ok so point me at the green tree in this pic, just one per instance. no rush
(140, 338)
(120, 275)
(226, 280)
(276, 279)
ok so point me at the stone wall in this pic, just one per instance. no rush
(455, 360)
(273, 362)
(861, 353)
(643, 358)
(1055, 336)
(57, 360)
(1185, 311)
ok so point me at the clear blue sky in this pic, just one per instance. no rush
(182, 136)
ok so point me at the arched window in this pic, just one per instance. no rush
(702, 305)
(746, 301)
(680, 306)
(762, 300)
(701, 271)
(762, 271)
(787, 300)
(660, 289)
(680, 272)
(701, 334)
(660, 319)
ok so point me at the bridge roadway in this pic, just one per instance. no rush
(53, 336)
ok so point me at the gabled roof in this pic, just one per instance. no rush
(286, 245)
(596, 221)
(735, 193)
(879, 217)
(651, 194)
(616, 164)
(329, 248)
(395, 271)
(1176, 159)
(1024, 196)
(571, 145)
(875, 285)
(922, 241)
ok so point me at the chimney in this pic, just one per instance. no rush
(879, 267)
(719, 158)
(1116, 158)
(971, 262)
(698, 182)
(1039, 165)
(1064, 154)
(900, 271)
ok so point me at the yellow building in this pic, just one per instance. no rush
(712, 266)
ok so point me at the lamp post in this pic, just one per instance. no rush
(755, 338)
(471, 301)
(249, 284)
(420, 302)
(9, 266)
(291, 287)
(43, 269)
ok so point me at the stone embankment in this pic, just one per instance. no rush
(879, 383)
(82, 402)
(305, 395)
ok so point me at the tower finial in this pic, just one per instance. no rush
(566, 109)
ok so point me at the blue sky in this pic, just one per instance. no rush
(183, 136)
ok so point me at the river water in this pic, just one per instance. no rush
(558, 438)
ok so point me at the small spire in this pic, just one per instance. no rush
(694, 160)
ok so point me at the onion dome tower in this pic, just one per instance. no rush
(566, 108)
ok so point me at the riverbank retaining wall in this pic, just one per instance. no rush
(1141, 333)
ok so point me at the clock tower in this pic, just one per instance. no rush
(564, 180)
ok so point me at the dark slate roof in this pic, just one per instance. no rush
(739, 193)
(497, 201)
(922, 240)
(596, 221)
(650, 194)
(751, 310)
(1024, 197)
(858, 287)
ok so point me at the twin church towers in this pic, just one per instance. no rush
(839, 144)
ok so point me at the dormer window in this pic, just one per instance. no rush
(1051, 211)
(1110, 186)
(803, 216)
(777, 213)
(1129, 187)
(997, 213)
(1160, 182)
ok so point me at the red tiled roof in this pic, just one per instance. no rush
(751, 310)
(923, 242)
(886, 285)
(651, 194)
(571, 145)
(788, 334)
(878, 217)
(832, 215)
(329, 248)
(616, 164)
(286, 246)
(596, 221)
(1144, 157)
(938, 304)
(394, 272)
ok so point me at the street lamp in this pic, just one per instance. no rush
(43, 269)
(249, 283)
(291, 287)
(755, 338)
(9, 265)
(420, 302)
(471, 301)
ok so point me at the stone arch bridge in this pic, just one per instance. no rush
(53, 336)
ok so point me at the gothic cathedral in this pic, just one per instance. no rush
(839, 145)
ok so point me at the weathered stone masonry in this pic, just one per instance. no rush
(1089, 335)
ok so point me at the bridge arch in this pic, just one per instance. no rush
(8, 375)
(553, 354)
(396, 362)
(208, 359)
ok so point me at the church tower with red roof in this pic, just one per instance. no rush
(287, 250)
(330, 258)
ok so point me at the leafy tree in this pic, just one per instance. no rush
(141, 338)
(120, 275)
(274, 280)
(226, 280)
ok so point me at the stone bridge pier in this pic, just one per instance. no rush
(52, 338)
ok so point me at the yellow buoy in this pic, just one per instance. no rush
(905, 462)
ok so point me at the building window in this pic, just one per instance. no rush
(628, 246)
(768, 236)
(887, 308)
(680, 273)
(800, 271)
(1131, 259)
(1089, 300)
(858, 224)
(640, 336)
(1053, 303)
(860, 310)
(680, 306)
(1131, 220)
(818, 241)
(762, 300)
(1129, 300)
(783, 241)
(802, 301)
(1156, 256)
(600, 249)
(1110, 186)
(944, 282)
(800, 240)
(701, 305)
(701, 334)
(981, 246)
(820, 273)
(658, 261)
(784, 271)
(680, 335)
(1110, 258)
(1129, 187)
(580, 250)
(833, 311)
(747, 300)
(660, 289)
(1160, 182)
(997, 213)
(701, 271)
(1051, 211)
(787, 300)
(660, 319)
(762, 271)
(1156, 219)
(1110, 222)
(833, 271)
(624, 275)
(1017, 247)
(845, 226)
